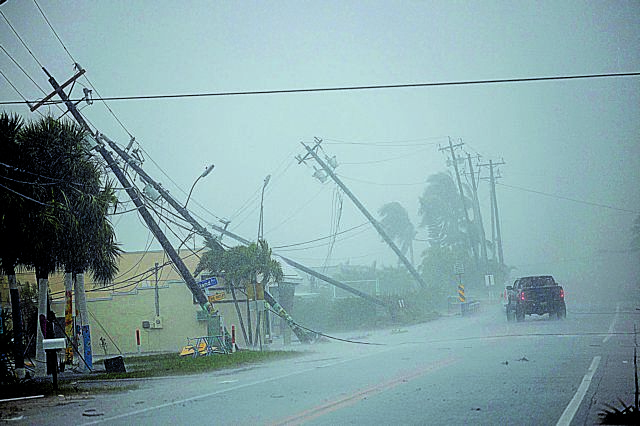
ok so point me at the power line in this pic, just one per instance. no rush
(54, 31)
(321, 238)
(380, 183)
(349, 88)
(575, 200)
(389, 143)
(21, 40)
(22, 69)
(384, 160)
(75, 62)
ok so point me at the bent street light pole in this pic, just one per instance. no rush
(204, 174)
(366, 213)
(135, 197)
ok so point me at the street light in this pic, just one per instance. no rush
(204, 174)
(260, 224)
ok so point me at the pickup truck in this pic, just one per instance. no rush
(535, 295)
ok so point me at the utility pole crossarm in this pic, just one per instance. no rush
(368, 215)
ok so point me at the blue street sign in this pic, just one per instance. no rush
(209, 282)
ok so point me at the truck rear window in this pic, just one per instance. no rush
(536, 282)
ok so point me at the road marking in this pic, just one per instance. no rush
(572, 408)
(221, 391)
(329, 407)
(613, 324)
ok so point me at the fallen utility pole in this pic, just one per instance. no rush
(365, 212)
(135, 197)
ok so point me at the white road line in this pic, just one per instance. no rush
(225, 390)
(572, 408)
(613, 324)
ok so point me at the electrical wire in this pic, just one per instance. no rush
(575, 200)
(24, 196)
(21, 40)
(387, 144)
(322, 188)
(354, 88)
(323, 334)
(22, 69)
(321, 238)
(411, 154)
(17, 91)
(85, 76)
(341, 176)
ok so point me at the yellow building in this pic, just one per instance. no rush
(128, 305)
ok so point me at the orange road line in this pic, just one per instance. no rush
(329, 407)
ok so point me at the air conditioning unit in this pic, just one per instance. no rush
(157, 323)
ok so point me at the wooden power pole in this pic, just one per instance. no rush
(365, 212)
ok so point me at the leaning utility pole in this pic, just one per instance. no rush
(477, 214)
(130, 189)
(365, 212)
(454, 159)
(223, 231)
(495, 222)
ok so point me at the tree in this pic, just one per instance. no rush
(240, 266)
(62, 209)
(396, 223)
(11, 223)
(442, 213)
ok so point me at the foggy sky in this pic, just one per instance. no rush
(577, 139)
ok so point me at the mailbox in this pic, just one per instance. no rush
(53, 344)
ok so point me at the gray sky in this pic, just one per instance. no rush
(576, 139)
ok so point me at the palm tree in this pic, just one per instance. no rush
(240, 266)
(395, 221)
(11, 206)
(67, 227)
(443, 214)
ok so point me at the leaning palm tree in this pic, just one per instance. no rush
(395, 221)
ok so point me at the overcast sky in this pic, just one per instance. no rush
(577, 139)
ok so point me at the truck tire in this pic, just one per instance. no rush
(562, 311)
(519, 314)
(510, 315)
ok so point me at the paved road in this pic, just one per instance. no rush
(474, 370)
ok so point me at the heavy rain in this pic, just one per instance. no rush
(319, 213)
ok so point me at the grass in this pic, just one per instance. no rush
(140, 367)
(174, 364)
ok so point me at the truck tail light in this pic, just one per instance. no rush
(561, 293)
(522, 296)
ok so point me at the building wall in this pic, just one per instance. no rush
(118, 308)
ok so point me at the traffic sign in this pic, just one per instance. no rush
(209, 282)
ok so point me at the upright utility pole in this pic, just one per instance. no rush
(478, 215)
(131, 191)
(365, 212)
(157, 293)
(497, 215)
(454, 159)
